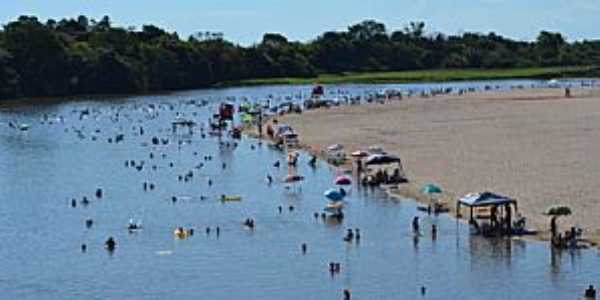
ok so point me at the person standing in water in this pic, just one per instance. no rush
(347, 295)
(415, 225)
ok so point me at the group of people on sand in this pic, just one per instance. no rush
(566, 240)
(381, 176)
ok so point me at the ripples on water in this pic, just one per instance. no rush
(40, 258)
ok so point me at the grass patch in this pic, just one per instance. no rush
(428, 76)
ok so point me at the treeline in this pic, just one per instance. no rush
(85, 56)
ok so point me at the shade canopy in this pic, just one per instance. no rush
(283, 128)
(382, 159)
(376, 150)
(485, 199)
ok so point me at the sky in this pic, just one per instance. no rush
(245, 21)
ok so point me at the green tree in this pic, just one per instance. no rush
(548, 48)
(39, 56)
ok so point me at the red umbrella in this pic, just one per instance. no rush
(343, 180)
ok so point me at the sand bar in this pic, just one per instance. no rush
(533, 145)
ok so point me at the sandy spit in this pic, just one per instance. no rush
(533, 145)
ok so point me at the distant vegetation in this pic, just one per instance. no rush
(428, 76)
(85, 56)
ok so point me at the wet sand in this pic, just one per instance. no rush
(533, 145)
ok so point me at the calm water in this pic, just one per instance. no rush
(42, 169)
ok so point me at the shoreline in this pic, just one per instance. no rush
(411, 190)
(408, 191)
(428, 76)
(382, 77)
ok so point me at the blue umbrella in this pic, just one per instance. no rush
(333, 195)
(431, 189)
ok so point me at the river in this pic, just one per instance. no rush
(66, 154)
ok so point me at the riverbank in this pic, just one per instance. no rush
(420, 76)
(533, 145)
(429, 76)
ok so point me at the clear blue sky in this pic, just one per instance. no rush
(244, 21)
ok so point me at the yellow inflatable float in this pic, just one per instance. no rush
(180, 233)
(230, 198)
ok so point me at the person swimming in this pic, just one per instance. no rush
(110, 244)
(349, 235)
(249, 223)
(590, 292)
(133, 225)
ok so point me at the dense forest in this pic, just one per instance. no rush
(86, 56)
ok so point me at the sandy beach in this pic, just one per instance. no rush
(533, 145)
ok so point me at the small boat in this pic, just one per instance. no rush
(24, 127)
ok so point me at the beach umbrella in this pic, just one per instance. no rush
(376, 150)
(431, 189)
(343, 180)
(246, 106)
(333, 195)
(359, 153)
(381, 159)
(558, 210)
(247, 118)
(335, 147)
